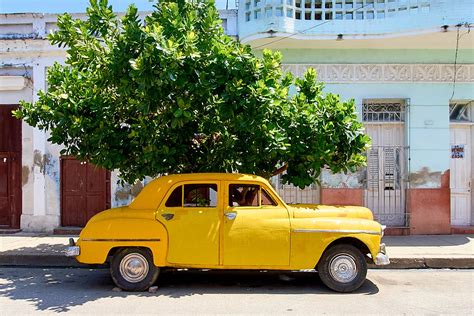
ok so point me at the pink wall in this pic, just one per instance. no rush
(430, 209)
(342, 196)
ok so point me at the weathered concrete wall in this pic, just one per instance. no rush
(123, 194)
(352, 180)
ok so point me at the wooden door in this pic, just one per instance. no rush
(4, 189)
(85, 191)
(10, 168)
(460, 179)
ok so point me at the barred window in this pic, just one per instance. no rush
(387, 110)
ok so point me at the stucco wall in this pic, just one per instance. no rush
(427, 118)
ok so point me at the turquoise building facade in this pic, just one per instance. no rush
(409, 65)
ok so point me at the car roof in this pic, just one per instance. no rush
(155, 191)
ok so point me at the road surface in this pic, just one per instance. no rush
(26, 291)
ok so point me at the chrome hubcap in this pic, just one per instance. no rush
(134, 267)
(343, 268)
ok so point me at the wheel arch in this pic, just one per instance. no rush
(157, 259)
(116, 249)
(353, 241)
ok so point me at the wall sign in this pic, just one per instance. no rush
(457, 151)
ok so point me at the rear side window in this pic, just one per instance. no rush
(194, 195)
(200, 195)
(176, 198)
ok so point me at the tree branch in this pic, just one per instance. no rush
(280, 170)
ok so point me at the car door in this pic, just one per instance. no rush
(256, 226)
(191, 213)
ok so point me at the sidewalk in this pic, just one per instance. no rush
(405, 252)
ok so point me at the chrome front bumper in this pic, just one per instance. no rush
(72, 250)
(382, 258)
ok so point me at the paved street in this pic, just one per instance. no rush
(82, 291)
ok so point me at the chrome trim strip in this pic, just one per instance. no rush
(370, 232)
(93, 239)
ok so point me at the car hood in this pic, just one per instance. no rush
(316, 210)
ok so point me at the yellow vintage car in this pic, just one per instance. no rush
(229, 221)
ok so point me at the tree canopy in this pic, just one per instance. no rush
(175, 94)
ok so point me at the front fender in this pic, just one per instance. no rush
(311, 237)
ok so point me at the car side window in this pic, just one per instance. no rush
(267, 199)
(244, 195)
(200, 195)
(176, 198)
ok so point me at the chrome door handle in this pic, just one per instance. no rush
(231, 215)
(167, 216)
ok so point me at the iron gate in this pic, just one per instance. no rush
(385, 185)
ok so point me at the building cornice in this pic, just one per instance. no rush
(361, 73)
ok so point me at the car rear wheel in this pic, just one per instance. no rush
(342, 268)
(132, 269)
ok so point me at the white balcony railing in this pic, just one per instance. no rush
(313, 19)
(321, 10)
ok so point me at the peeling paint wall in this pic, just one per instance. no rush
(424, 179)
(52, 171)
(123, 194)
(25, 173)
(350, 180)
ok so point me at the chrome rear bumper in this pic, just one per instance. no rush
(72, 250)
(382, 258)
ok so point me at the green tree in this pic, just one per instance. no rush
(174, 94)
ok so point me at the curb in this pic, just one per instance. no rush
(60, 261)
(41, 261)
(427, 263)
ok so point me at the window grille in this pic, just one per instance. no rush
(460, 112)
(383, 111)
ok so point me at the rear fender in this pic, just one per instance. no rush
(99, 238)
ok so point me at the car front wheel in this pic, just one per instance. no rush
(342, 268)
(132, 269)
